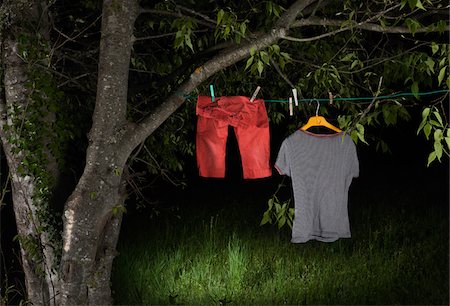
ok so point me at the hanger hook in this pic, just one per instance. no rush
(317, 109)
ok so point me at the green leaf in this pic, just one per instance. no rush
(413, 25)
(420, 5)
(266, 218)
(277, 208)
(435, 123)
(227, 30)
(438, 149)
(355, 62)
(243, 28)
(187, 40)
(281, 221)
(264, 57)
(260, 67)
(270, 203)
(434, 47)
(276, 49)
(427, 130)
(403, 4)
(431, 158)
(269, 7)
(438, 117)
(389, 114)
(441, 75)
(448, 82)
(276, 10)
(384, 146)
(291, 213)
(252, 51)
(447, 140)
(249, 62)
(287, 56)
(438, 135)
(415, 89)
(348, 57)
(220, 16)
(430, 64)
(354, 136)
(360, 134)
(426, 112)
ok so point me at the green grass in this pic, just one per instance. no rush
(398, 254)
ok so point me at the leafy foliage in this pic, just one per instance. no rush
(279, 213)
(435, 130)
(40, 131)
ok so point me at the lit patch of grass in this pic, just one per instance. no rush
(396, 256)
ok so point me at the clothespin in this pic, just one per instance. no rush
(291, 108)
(255, 94)
(211, 89)
(330, 96)
(294, 93)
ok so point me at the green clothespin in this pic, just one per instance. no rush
(211, 88)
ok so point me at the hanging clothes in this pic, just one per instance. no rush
(321, 168)
(251, 126)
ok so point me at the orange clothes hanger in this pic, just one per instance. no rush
(319, 121)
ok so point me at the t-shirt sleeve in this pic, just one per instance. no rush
(283, 159)
(354, 163)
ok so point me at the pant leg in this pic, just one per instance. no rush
(254, 144)
(211, 141)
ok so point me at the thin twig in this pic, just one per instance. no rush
(165, 35)
(284, 76)
(366, 111)
(196, 14)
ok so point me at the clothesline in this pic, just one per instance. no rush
(397, 95)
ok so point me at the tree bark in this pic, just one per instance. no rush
(92, 214)
(37, 249)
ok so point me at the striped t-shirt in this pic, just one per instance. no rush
(321, 168)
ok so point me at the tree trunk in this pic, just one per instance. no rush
(36, 247)
(92, 215)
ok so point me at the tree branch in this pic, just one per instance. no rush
(314, 21)
(206, 18)
(165, 35)
(137, 133)
(175, 15)
(288, 17)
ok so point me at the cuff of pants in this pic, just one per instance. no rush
(211, 172)
(257, 173)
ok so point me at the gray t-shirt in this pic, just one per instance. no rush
(321, 168)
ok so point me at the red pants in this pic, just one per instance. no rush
(251, 127)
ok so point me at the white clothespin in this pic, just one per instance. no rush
(291, 107)
(255, 94)
(294, 93)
